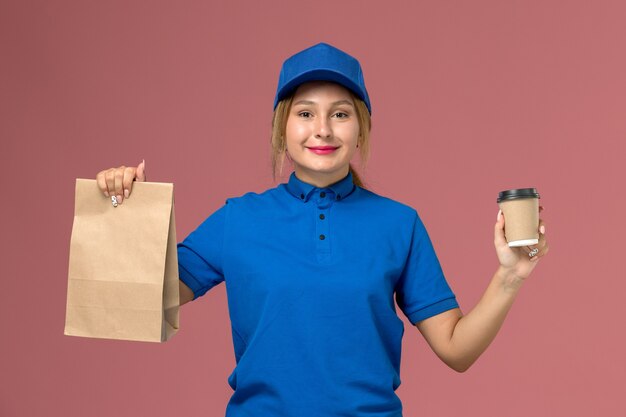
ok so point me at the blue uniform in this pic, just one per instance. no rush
(310, 278)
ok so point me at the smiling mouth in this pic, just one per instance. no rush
(323, 150)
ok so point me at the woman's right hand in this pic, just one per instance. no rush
(119, 181)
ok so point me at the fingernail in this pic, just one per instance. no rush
(499, 214)
(119, 199)
(106, 193)
(542, 229)
(126, 193)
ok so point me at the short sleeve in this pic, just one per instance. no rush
(200, 255)
(422, 290)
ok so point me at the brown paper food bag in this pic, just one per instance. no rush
(123, 269)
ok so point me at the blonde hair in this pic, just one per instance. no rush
(279, 127)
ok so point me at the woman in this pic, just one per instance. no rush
(312, 266)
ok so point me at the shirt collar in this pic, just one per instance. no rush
(303, 191)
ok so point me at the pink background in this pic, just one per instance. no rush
(469, 98)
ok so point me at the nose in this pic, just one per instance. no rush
(323, 129)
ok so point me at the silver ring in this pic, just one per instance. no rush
(533, 252)
(114, 201)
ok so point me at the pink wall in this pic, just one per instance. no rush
(468, 99)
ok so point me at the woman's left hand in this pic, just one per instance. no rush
(517, 261)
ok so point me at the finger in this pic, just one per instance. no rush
(109, 177)
(119, 184)
(141, 171)
(533, 254)
(542, 237)
(127, 180)
(528, 250)
(541, 232)
(499, 238)
(542, 248)
(539, 254)
(102, 183)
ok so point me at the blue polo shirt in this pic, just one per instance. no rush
(311, 274)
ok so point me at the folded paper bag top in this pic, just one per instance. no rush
(123, 266)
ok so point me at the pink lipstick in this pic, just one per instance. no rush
(322, 150)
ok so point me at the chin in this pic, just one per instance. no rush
(324, 170)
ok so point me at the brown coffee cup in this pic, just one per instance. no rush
(521, 213)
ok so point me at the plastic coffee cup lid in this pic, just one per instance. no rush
(518, 193)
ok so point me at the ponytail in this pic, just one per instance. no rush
(356, 178)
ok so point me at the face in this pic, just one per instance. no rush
(322, 132)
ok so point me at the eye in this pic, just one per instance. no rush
(341, 115)
(304, 114)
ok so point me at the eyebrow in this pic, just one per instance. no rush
(336, 103)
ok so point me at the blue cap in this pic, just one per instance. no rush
(322, 62)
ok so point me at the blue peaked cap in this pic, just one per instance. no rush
(321, 62)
